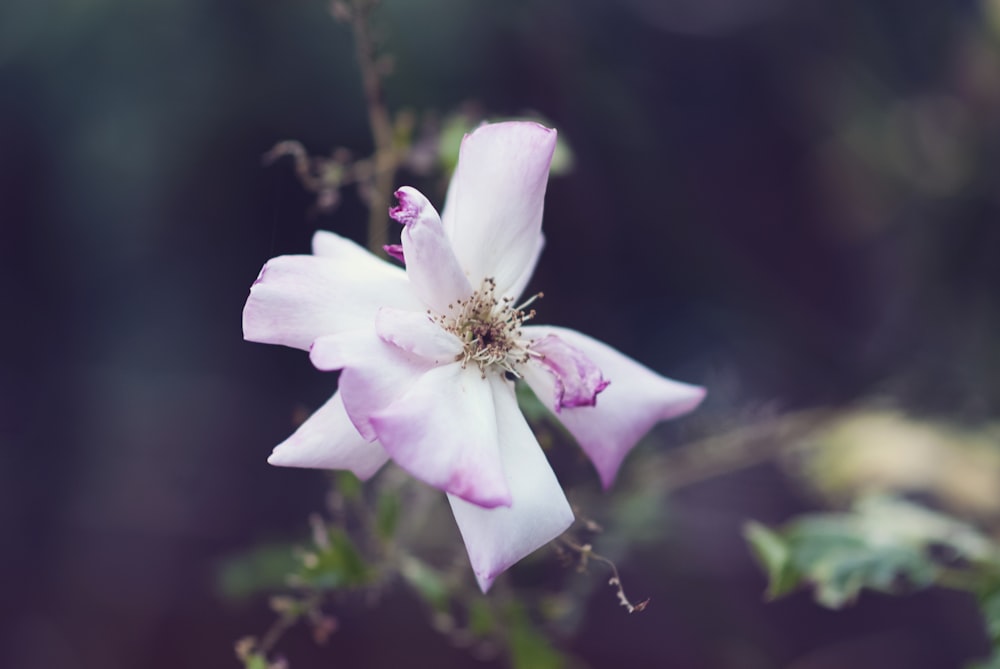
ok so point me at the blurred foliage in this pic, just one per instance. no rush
(884, 450)
(883, 544)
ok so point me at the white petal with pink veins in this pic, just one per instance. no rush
(497, 538)
(299, 298)
(493, 212)
(419, 334)
(375, 373)
(328, 440)
(636, 400)
(443, 431)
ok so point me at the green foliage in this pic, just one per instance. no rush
(529, 649)
(264, 568)
(336, 564)
(884, 544)
(387, 512)
(427, 582)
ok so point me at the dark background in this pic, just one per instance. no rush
(792, 203)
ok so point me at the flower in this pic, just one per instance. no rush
(427, 355)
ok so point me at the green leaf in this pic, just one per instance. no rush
(256, 661)
(481, 618)
(529, 649)
(427, 582)
(884, 544)
(774, 556)
(261, 569)
(387, 515)
(348, 485)
(336, 565)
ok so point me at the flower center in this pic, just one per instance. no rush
(490, 329)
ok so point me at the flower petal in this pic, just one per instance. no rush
(431, 265)
(636, 400)
(493, 213)
(375, 373)
(418, 334)
(522, 281)
(577, 379)
(539, 512)
(299, 298)
(328, 440)
(444, 432)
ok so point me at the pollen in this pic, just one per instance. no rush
(490, 329)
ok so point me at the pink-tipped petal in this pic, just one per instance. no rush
(636, 400)
(417, 333)
(431, 265)
(443, 431)
(299, 298)
(395, 251)
(578, 380)
(497, 538)
(375, 373)
(493, 213)
(328, 440)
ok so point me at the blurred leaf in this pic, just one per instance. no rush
(882, 545)
(260, 569)
(529, 649)
(774, 555)
(348, 484)
(532, 408)
(336, 565)
(481, 618)
(387, 514)
(256, 661)
(427, 582)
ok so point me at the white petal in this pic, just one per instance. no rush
(431, 265)
(497, 538)
(522, 281)
(418, 334)
(328, 440)
(299, 298)
(375, 374)
(636, 399)
(444, 432)
(493, 213)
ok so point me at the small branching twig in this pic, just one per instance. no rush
(586, 553)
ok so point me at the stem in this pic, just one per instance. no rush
(384, 159)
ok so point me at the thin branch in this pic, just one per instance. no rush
(384, 158)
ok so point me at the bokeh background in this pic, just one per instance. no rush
(793, 203)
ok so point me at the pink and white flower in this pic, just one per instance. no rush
(428, 355)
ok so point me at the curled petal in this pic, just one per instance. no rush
(539, 512)
(375, 373)
(493, 212)
(328, 440)
(636, 400)
(577, 379)
(443, 431)
(418, 334)
(431, 265)
(299, 298)
(396, 251)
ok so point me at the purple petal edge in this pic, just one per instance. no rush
(578, 381)
(396, 251)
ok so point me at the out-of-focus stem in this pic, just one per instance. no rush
(384, 159)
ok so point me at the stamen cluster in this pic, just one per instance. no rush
(490, 329)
